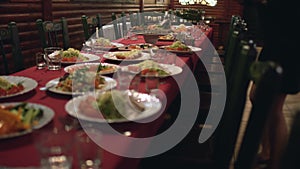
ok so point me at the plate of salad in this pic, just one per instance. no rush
(163, 70)
(113, 106)
(177, 47)
(20, 118)
(15, 85)
(80, 82)
(72, 56)
(101, 68)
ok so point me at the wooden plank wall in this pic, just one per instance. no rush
(26, 12)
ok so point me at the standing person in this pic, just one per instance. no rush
(280, 37)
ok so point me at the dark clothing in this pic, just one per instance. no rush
(281, 36)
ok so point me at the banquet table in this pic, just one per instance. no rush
(20, 151)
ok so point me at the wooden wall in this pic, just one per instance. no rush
(26, 12)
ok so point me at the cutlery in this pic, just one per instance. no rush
(47, 87)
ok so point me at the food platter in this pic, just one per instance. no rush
(47, 117)
(189, 51)
(114, 46)
(113, 56)
(140, 46)
(90, 58)
(52, 84)
(28, 83)
(172, 70)
(151, 103)
(112, 68)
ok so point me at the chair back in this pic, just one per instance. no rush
(133, 19)
(228, 129)
(51, 33)
(115, 22)
(124, 24)
(235, 19)
(89, 25)
(9, 41)
(267, 77)
(237, 39)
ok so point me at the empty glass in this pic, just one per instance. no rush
(40, 60)
(53, 57)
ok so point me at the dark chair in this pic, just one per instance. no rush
(124, 24)
(120, 25)
(90, 24)
(133, 19)
(10, 43)
(53, 33)
(115, 22)
(267, 77)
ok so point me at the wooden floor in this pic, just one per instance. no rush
(291, 106)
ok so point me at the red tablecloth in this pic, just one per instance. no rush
(20, 151)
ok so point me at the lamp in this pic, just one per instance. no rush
(202, 2)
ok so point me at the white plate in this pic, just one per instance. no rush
(47, 117)
(117, 45)
(171, 69)
(28, 83)
(190, 51)
(70, 68)
(195, 49)
(151, 103)
(91, 58)
(111, 56)
(110, 83)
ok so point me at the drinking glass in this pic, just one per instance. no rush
(53, 57)
(55, 148)
(88, 152)
(40, 60)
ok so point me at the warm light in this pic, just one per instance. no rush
(202, 2)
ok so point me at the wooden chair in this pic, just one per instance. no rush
(115, 22)
(237, 39)
(52, 33)
(10, 42)
(267, 76)
(89, 25)
(124, 24)
(133, 19)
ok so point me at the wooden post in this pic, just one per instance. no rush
(141, 5)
